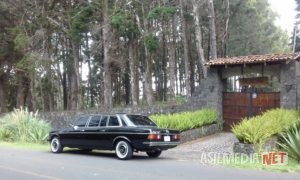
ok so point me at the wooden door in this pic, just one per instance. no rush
(237, 106)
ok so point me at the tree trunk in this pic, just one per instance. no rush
(148, 69)
(107, 58)
(185, 52)
(213, 40)
(76, 86)
(133, 71)
(3, 100)
(20, 89)
(148, 80)
(172, 61)
(127, 84)
(225, 35)
(201, 59)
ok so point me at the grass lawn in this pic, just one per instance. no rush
(29, 146)
(292, 166)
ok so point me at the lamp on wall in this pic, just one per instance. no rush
(288, 87)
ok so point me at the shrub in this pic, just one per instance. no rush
(291, 141)
(258, 129)
(23, 126)
(187, 120)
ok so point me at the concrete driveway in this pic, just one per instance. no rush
(29, 164)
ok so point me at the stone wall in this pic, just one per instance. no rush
(209, 94)
(199, 132)
(61, 119)
(289, 84)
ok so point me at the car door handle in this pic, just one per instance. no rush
(82, 130)
(102, 130)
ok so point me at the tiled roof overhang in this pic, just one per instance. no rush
(254, 59)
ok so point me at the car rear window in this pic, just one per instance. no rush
(139, 120)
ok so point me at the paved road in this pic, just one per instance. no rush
(27, 164)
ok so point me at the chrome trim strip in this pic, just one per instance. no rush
(162, 143)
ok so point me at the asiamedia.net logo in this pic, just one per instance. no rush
(274, 158)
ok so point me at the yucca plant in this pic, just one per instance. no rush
(6, 134)
(186, 120)
(23, 126)
(256, 130)
(291, 141)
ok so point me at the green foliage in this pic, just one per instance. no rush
(258, 129)
(252, 29)
(161, 12)
(122, 21)
(180, 99)
(26, 63)
(21, 41)
(23, 126)
(152, 43)
(291, 141)
(82, 16)
(187, 120)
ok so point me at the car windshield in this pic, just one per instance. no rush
(139, 120)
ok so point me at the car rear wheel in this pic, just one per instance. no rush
(123, 150)
(56, 145)
(154, 153)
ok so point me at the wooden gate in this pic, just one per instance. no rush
(237, 106)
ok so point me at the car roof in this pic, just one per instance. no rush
(106, 114)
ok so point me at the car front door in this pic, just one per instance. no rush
(92, 135)
(75, 136)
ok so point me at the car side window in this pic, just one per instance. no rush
(94, 121)
(123, 121)
(103, 121)
(113, 121)
(81, 122)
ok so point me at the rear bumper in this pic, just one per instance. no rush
(157, 144)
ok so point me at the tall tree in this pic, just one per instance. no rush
(107, 39)
(296, 34)
(185, 50)
(198, 32)
(212, 27)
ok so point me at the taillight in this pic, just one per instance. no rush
(154, 137)
(176, 137)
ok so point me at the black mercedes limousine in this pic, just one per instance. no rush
(123, 133)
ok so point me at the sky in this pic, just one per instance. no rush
(286, 13)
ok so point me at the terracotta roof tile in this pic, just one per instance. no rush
(253, 59)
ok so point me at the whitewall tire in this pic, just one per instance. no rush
(123, 150)
(56, 146)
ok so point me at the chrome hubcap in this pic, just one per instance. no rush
(54, 145)
(122, 149)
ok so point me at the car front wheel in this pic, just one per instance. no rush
(56, 145)
(123, 150)
(154, 153)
